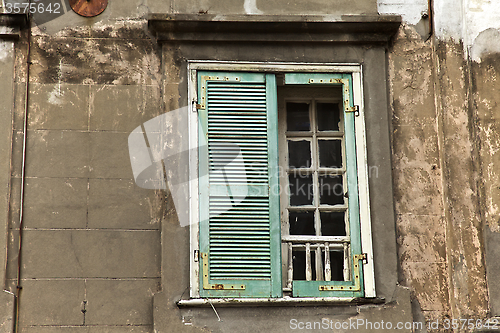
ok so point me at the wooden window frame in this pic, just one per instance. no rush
(365, 223)
(290, 242)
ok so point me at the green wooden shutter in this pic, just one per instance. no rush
(354, 287)
(240, 253)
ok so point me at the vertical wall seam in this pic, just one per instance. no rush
(23, 175)
(442, 164)
(11, 168)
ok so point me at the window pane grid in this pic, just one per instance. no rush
(310, 255)
(316, 187)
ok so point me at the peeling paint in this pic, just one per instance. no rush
(411, 11)
(434, 123)
(445, 135)
(95, 61)
(251, 7)
(486, 43)
(6, 50)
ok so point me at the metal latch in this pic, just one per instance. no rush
(354, 109)
(196, 106)
(364, 258)
(357, 279)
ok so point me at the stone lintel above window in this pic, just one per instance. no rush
(274, 28)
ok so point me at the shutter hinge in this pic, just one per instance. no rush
(216, 286)
(357, 277)
(354, 109)
(196, 255)
(338, 81)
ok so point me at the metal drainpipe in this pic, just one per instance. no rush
(430, 13)
(23, 172)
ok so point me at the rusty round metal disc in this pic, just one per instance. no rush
(88, 8)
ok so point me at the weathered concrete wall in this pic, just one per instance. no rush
(485, 100)
(445, 145)
(175, 239)
(92, 253)
(91, 240)
(417, 174)
(7, 62)
(267, 7)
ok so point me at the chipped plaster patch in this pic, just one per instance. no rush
(457, 20)
(486, 43)
(6, 30)
(492, 145)
(251, 7)
(56, 95)
(332, 18)
(115, 26)
(6, 50)
(411, 11)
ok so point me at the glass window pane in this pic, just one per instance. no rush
(299, 154)
(299, 264)
(301, 223)
(331, 190)
(330, 153)
(336, 264)
(301, 190)
(297, 117)
(328, 115)
(332, 224)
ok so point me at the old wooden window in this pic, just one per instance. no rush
(279, 193)
(320, 209)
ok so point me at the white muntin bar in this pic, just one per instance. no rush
(328, 270)
(308, 262)
(319, 265)
(290, 265)
(346, 262)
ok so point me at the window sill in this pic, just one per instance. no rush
(285, 301)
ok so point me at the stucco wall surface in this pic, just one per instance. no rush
(92, 240)
(447, 83)
(90, 254)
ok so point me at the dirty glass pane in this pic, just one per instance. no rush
(301, 223)
(336, 264)
(328, 116)
(330, 153)
(331, 191)
(299, 264)
(299, 154)
(332, 224)
(301, 189)
(297, 117)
